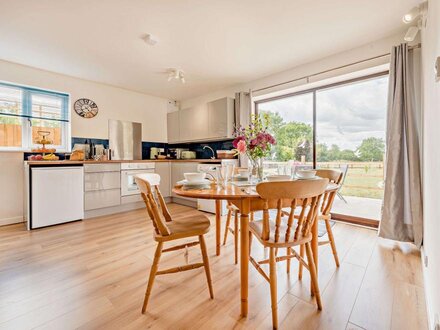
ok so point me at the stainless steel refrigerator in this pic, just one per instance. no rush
(125, 139)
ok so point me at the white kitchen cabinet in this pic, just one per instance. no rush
(103, 167)
(102, 185)
(102, 198)
(164, 170)
(173, 129)
(207, 122)
(221, 118)
(199, 123)
(177, 170)
(102, 180)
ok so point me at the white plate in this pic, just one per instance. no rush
(312, 178)
(194, 183)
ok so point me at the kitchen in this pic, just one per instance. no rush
(103, 183)
(213, 143)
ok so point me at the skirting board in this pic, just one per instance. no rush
(10, 221)
(116, 209)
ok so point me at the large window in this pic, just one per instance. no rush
(25, 113)
(339, 126)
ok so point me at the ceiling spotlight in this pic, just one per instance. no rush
(150, 39)
(176, 74)
(415, 12)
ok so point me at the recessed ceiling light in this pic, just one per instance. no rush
(150, 39)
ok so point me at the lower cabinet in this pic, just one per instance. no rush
(102, 186)
(164, 170)
(177, 171)
(101, 198)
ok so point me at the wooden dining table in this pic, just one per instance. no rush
(247, 200)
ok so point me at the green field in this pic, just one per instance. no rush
(364, 179)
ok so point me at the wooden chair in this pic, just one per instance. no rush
(334, 176)
(167, 229)
(303, 196)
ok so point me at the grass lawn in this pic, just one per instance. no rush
(362, 183)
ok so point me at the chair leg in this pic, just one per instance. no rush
(206, 264)
(153, 272)
(331, 238)
(228, 221)
(288, 260)
(301, 253)
(273, 287)
(313, 275)
(236, 233)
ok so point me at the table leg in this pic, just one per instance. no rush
(218, 226)
(244, 255)
(315, 248)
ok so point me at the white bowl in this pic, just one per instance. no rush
(278, 178)
(193, 177)
(305, 174)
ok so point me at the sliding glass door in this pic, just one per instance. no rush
(350, 135)
(340, 126)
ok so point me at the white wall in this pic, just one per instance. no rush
(113, 102)
(431, 160)
(370, 50)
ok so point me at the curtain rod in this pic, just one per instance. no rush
(329, 70)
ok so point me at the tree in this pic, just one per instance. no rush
(293, 141)
(371, 149)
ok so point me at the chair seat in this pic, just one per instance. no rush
(256, 227)
(185, 226)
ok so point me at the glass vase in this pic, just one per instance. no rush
(256, 170)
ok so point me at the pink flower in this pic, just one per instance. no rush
(237, 139)
(241, 146)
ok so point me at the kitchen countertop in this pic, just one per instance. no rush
(67, 162)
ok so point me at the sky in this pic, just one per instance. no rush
(345, 114)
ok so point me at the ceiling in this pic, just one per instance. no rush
(218, 43)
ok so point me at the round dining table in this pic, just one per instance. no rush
(247, 200)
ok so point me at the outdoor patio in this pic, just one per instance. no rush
(369, 208)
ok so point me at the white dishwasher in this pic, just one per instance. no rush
(56, 195)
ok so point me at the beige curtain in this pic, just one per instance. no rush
(402, 217)
(243, 111)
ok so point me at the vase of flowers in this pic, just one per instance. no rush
(256, 142)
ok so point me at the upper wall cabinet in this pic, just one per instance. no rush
(221, 116)
(212, 121)
(173, 127)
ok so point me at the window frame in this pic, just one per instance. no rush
(342, 217)
(26, 117)
(313, 92)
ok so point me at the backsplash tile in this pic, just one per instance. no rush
(197, 147)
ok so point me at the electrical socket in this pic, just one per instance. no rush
(425, 261)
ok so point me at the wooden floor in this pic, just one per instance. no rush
(92, 274)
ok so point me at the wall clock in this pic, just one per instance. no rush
(86, 108)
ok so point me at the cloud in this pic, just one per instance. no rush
(345, 114)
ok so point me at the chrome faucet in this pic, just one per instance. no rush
(212, 150)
